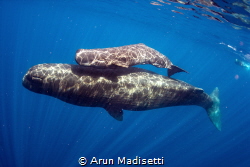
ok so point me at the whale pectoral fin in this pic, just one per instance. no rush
(174, 69)
(116, 113)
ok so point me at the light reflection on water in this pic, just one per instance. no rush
(236, 13)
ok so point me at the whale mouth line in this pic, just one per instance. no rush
(36, 78)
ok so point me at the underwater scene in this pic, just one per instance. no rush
(125, 83)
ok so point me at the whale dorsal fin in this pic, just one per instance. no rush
(115, 112)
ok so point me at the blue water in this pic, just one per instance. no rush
(38, 130)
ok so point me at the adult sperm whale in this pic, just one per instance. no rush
(117, 90)
(125, 56)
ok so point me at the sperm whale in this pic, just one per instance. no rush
(125, 56)
(130, 88)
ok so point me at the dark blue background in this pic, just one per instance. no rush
(37, 130)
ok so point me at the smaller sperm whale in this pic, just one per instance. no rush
(125, 56)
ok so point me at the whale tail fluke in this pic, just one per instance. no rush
(213, 112)
(174, 69)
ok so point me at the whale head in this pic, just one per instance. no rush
(43, 79)
(91, 57)
(33, 79)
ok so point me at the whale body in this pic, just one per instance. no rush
(125, 56)
(130, 88)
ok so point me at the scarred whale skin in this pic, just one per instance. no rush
(117, 90)
(125, 56)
